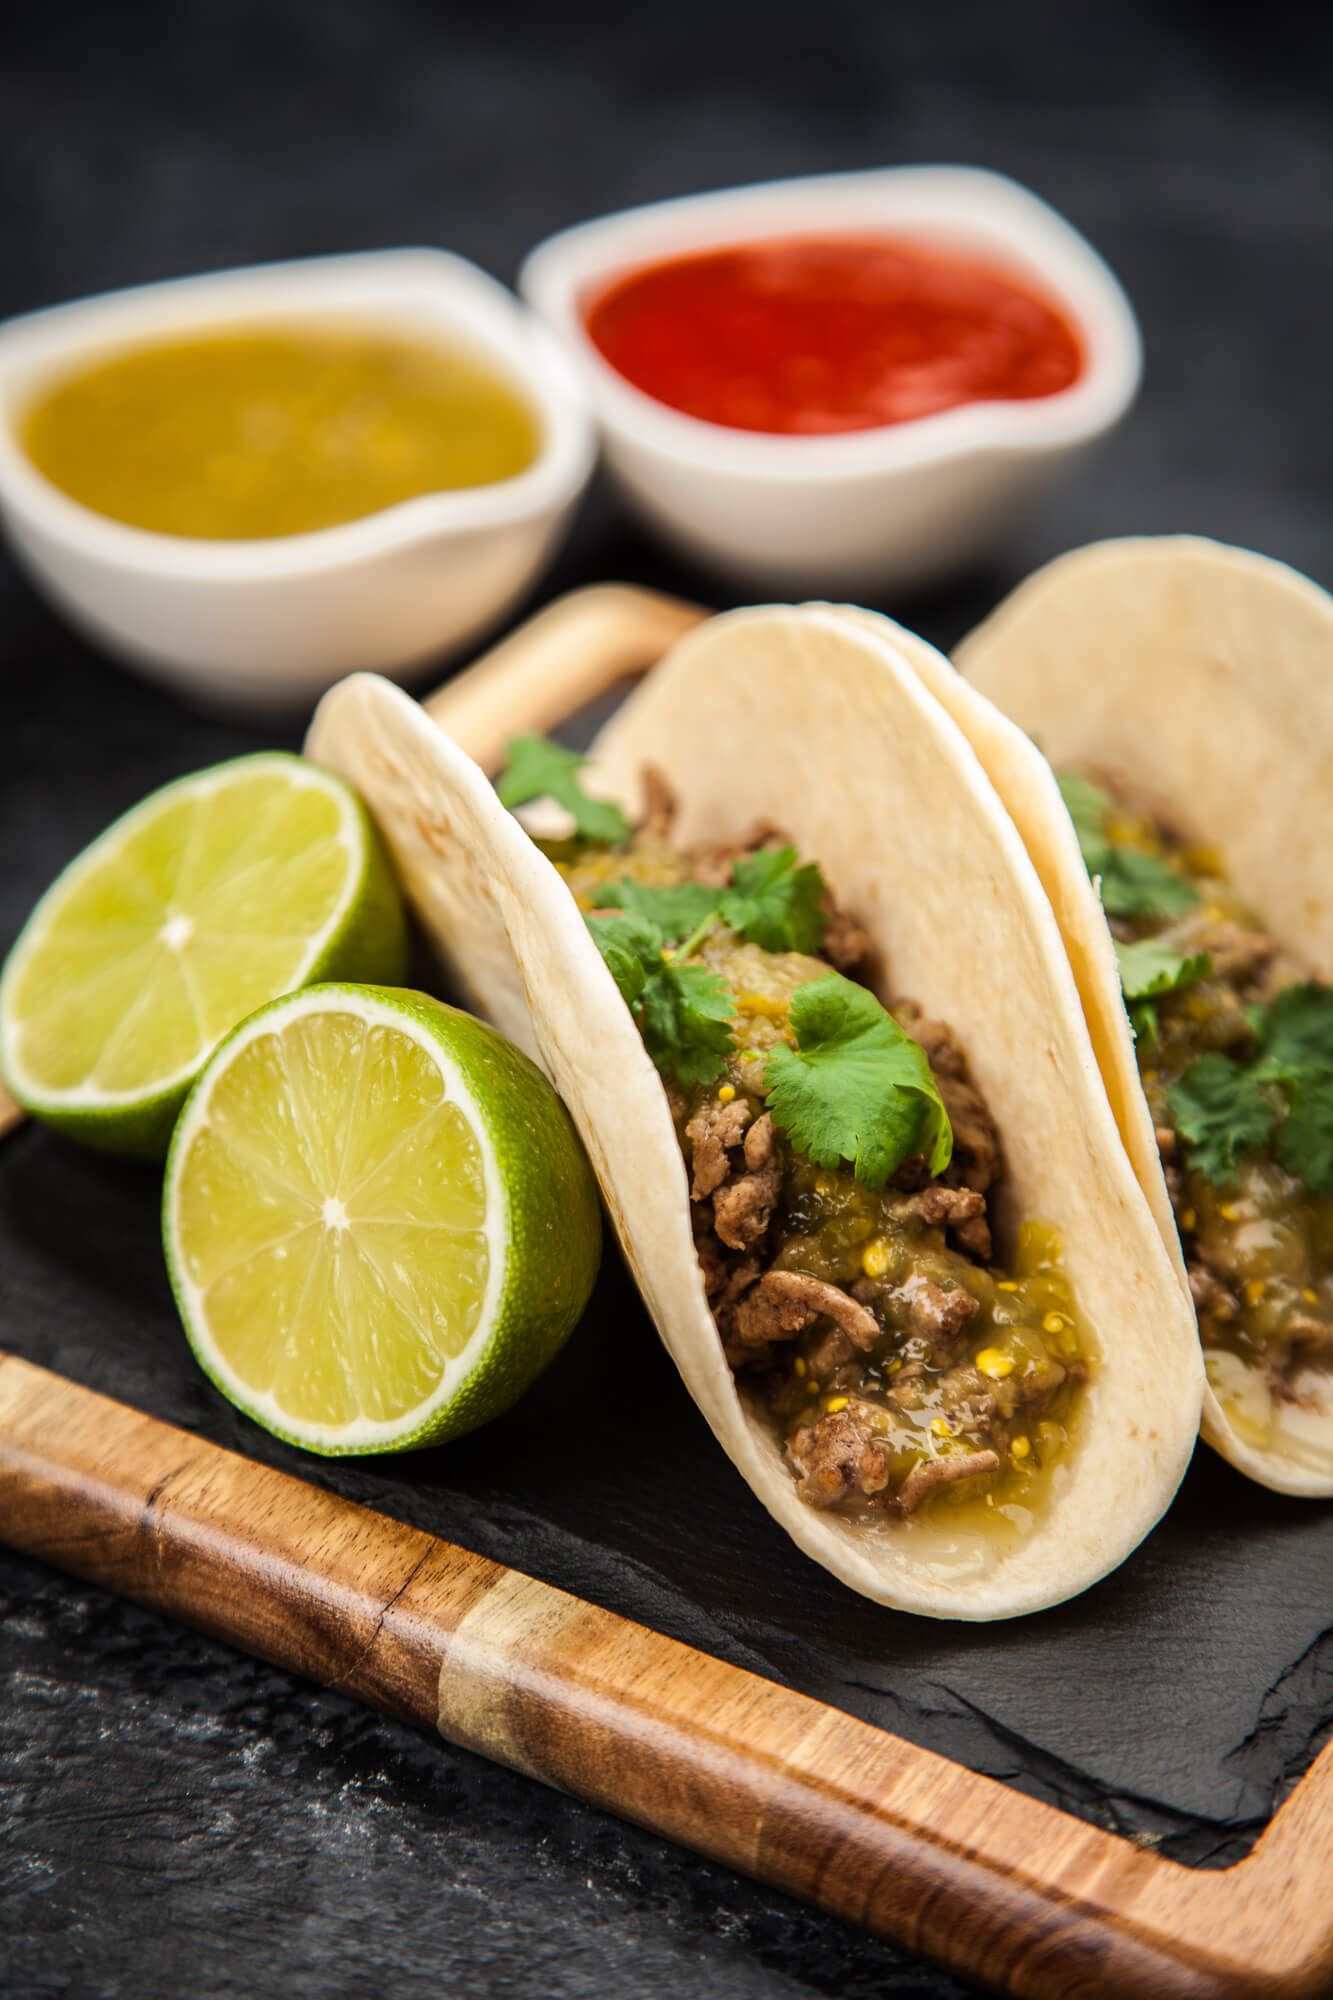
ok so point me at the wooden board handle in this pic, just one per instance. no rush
(568, 654)
(767, 1781)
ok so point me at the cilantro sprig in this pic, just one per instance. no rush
(1132, 883)
(536, 768)
(856, 1088)
(772, 900)
(1282, 1092)
(683, 1012)
(1148, 970)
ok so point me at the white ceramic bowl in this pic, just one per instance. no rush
(273, 623)
(872, 510)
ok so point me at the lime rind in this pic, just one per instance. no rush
(363, 937)
(542, 1219)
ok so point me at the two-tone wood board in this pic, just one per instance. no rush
(792, 1790)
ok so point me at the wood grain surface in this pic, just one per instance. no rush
(567, 654)
(799, 1795)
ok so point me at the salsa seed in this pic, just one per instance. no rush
(1020, 1447)
(940, 1427)
(727, 1093)
(1188, 1219)
(799, 1364)
(994, 1362)
(1053, 1323)
(1310, 1296)
(1254, 1291)
(1229, 1212)
(836, 1403)
(875, 1258)
(1006, 1285)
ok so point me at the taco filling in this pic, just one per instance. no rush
(1236, 1058)
(842, 1171)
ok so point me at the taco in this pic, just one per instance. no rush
(1183, 693)
(896, 1252)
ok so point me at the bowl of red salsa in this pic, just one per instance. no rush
(854, 383)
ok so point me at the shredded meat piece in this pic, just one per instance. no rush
(1308, 1337)
(973, 1401)
(838, 1455)
(976, 1142)
(1239, 955)
(725, 1280)
(659, 805)
(931, 1316)
(933, 1311)
(935, 1037)
(1210, 1295)
(962, 1210)
(845, 942)
(784, 1303)
(841, 1454)
(933, 1472)
(743, 1209)
(712, 1132)
(937, 1203)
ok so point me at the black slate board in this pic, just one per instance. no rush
(173, 1817)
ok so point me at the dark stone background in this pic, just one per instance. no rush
(174, 1818)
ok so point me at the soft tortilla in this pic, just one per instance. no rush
(797, 718)
(1198, 681)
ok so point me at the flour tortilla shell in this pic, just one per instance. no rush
(795, 717)
(1197, 681)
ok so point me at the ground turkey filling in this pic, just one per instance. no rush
(898, 1365)
(1259, 1251)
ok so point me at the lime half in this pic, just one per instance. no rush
(379, 1222)
(217, 893)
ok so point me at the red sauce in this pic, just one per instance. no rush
(844, 333)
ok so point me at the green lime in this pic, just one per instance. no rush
(378, 1219)
(215, 894)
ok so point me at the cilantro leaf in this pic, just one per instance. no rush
(1149, 969)
(1305, 1143)
(536, 768)
(856, 1087)
(683, 1012)
(685, 1017)
(1296, 1033)
(1133, 883)
(675, 908)
(771, 901)
(1221, 1111)
(1087, 805)
(632, 950)
(774, 901)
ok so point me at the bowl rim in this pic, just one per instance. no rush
(355, 286)
(973, 206)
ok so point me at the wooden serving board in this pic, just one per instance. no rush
(891, 1836)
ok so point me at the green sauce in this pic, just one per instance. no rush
(267, 431)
